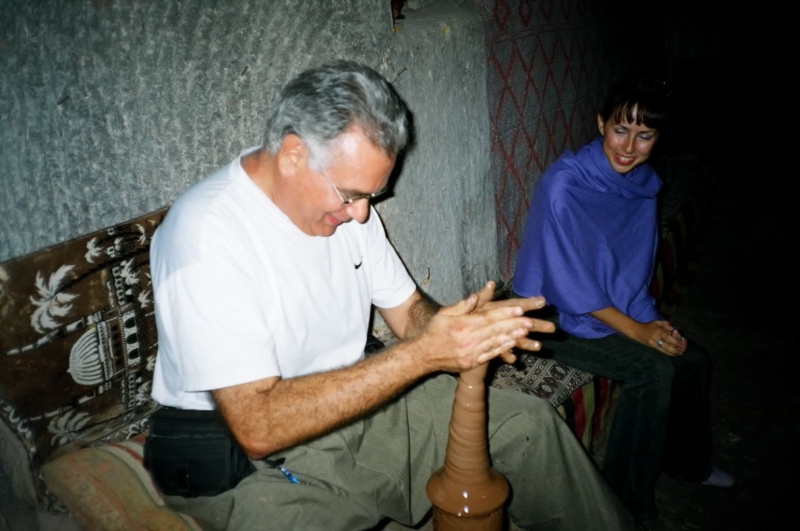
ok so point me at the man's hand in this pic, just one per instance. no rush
(475, 330)
(486, 302)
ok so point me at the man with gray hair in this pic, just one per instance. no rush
(263, 291)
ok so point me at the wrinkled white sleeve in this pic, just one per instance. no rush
(391, 283)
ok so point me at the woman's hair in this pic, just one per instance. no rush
(322, 103)
(638, 102)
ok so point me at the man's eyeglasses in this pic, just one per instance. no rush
(350, 200)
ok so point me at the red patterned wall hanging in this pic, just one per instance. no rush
(549, 62)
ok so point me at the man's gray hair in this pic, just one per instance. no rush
(323, 102)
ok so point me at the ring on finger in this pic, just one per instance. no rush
(660, 343)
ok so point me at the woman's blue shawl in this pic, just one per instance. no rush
(591, 240)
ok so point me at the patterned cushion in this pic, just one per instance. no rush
(107, 488)
(78, 343)
(545, 378)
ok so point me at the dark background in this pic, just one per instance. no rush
(740, 305)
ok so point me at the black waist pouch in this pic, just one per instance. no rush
(192, 453)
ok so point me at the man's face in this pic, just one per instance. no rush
(356, 167)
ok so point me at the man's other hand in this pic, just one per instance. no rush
(475, 330)
(486, 302)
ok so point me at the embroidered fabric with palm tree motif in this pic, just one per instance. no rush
(78, 342)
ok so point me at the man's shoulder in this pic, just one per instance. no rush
(195, 209)
(203, 194)
(219, 195)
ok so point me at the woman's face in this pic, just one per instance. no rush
(626, 144)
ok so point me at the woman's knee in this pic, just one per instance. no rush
(695, 361)
(653, 370)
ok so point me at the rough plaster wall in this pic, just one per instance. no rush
(442, 217)
(112, 108)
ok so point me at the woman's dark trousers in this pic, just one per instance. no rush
(662, 420)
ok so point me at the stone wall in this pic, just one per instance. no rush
(113, 108)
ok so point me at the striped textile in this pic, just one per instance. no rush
(107, 489)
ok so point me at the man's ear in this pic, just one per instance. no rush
(601, 125)
(292, 156)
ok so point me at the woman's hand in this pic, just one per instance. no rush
(660, 335)
(663, 337)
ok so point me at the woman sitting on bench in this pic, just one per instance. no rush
(590, 249)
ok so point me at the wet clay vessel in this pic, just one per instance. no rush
(467, 494)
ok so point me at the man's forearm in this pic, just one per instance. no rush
(299, 409)
(420, 314)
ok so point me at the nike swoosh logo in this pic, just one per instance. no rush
(359, 264)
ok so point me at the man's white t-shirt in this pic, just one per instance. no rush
(242, 294)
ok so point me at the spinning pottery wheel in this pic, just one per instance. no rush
(467, 494)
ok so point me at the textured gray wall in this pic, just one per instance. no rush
(110, 109)
(442, 217)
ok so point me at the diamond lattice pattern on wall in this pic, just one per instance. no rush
(548, 64)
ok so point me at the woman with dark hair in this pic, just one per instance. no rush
(590, 249)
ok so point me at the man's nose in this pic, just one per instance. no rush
(359, 210)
